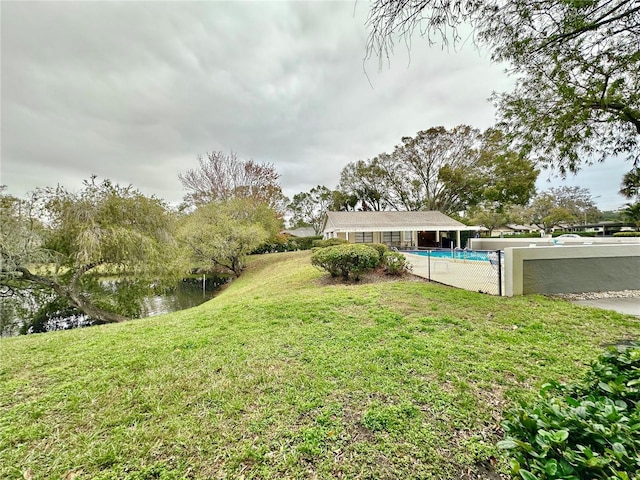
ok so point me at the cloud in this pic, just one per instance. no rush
(135, 91)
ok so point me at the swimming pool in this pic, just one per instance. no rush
(453, 254)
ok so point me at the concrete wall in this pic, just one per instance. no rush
(571, 269)
(502, 243)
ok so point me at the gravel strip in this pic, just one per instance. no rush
(597, 295)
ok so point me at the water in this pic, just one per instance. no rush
(189, 292)
(454, 254)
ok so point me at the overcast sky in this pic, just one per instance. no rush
(135, 91)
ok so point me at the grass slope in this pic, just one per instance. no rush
(286, 375)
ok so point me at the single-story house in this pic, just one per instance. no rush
(396, 229)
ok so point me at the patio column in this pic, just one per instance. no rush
(437, 238)
(458, 239)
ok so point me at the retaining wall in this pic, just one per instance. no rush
(571, 269)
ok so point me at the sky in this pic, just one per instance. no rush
(136, 91)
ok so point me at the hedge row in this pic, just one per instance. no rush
(626, 234)
(287, 244)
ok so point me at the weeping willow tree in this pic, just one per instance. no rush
(59, 241)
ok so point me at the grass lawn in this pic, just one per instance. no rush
(288, 375)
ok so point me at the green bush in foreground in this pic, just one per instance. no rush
(587, 431)
(347, 260)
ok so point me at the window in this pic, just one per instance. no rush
(364, 237)
(391, 237)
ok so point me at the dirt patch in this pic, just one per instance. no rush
(376, 276)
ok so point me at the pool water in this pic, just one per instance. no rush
(453, 254)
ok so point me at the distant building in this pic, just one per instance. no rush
(513, 229)
(300, 232)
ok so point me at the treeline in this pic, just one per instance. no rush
(471, 175)
(56, 242)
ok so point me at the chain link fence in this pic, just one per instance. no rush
(475, 270)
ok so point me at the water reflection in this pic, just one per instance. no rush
(188, 293)
(44, 313)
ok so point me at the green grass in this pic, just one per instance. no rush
(287, 375)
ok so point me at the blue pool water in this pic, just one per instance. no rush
(454, 254)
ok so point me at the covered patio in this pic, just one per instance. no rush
(402, 230)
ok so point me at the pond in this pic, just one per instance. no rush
(140, 303)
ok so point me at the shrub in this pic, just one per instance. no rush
(325, 258)
(394, 263)
(585, 431)
(306, 243)
(524, 235)
(289, 244)
(346, 260)
(626, 234)
(381, 248)
(329, 242)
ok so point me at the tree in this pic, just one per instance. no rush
(222, 234)
(221, 177)
(448, 170)
(610, 216)
(438, 165)
(505, 177)
(630, 186)
(578, 202)
(20, 243)
(57, 239)
(577, 68)
(546, 214)
(308, 208)
(362, 180)
(488, 219)
(342, 201)
(561, 205)
(631, 213)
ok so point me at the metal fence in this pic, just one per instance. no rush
(475, 270)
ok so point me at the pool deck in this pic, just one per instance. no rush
(473, 275)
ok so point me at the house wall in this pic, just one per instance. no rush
(406, 241)
(571, 269)
(377, 237)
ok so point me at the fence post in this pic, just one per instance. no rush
(499, 273)
(429, 264)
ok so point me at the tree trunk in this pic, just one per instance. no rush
(73, 297)
(96, 314)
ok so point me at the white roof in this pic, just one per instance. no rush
(391, 222)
